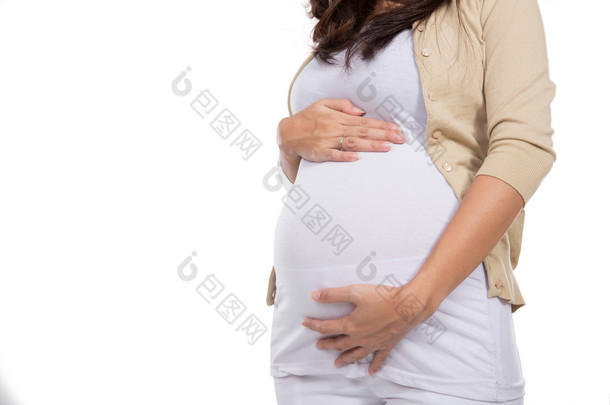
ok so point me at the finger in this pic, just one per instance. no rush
(364, 131)
(377, 134)
(353, 145)
(352, 356)
(334, 295)
(326, 327)
(378, 359)
(356, 144)
(363, 126)
(337, 155)
(343, 105)
(372, 127)
(340, 343)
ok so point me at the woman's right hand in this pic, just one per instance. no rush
(314, 134)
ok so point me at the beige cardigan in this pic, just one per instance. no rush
(488, 110)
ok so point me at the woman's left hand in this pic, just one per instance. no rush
(382, 316)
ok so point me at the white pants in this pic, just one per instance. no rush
(336, 389)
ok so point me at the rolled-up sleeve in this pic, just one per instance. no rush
(518, 93)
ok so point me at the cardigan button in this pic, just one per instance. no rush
(420, 28)
(447, 166)
(436, 134)
(432, 96)
(425, 52)
(498, 283)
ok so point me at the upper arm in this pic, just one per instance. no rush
(518, 92)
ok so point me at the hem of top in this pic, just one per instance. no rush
(480, 390)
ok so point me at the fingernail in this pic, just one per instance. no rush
(315, 295)
(359, 110)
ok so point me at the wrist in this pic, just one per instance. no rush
(287, 155)
(419, 295)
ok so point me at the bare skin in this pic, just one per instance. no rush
(314, 133)
(383, 5)
(380, 320)
(378, 323)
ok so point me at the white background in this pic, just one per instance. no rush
(108, 181)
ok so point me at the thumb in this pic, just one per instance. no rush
(334, 295)
(343, 105)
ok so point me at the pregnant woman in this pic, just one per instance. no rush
(417, 133)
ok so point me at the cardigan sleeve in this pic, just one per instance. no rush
(518, 92)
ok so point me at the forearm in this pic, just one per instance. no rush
(486, 212)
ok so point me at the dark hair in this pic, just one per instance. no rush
(340, 25)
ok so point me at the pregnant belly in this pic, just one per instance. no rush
(292, 343)
(387, 205)
(373, 221)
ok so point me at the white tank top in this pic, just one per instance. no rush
(395, 203)
(371, 221)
